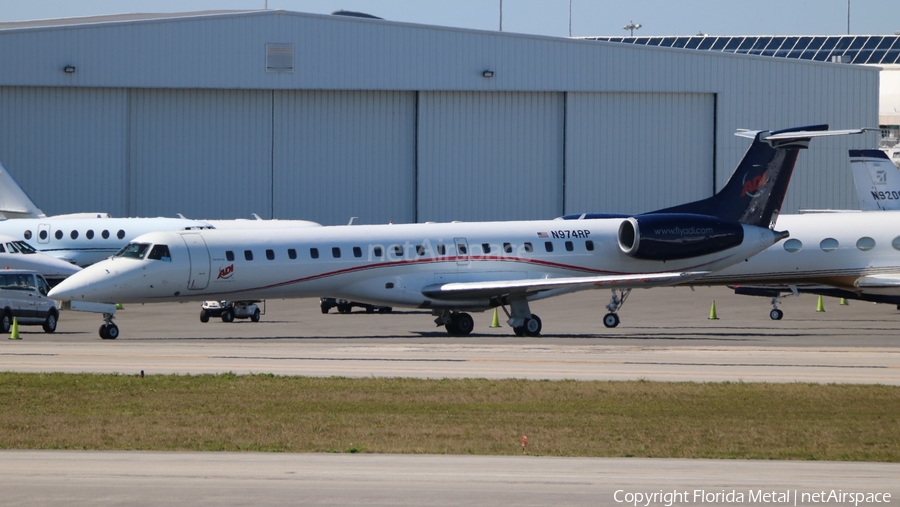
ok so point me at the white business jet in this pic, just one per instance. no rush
(847, 254)
(451, 268)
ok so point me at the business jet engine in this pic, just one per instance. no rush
(677, 236)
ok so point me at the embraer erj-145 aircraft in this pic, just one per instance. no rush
(451, 268)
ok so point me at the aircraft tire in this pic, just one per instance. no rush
(103, 332)
(776, 314)
(255, 316)
(204, 316)
(451, 327)
(112, 331)
(519, 330)
(611, 320)
(532, 326)
(464, 324)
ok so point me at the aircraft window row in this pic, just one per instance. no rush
(43, 235)
(377, 251)
(864, 244)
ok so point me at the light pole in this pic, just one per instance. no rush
(631, 26)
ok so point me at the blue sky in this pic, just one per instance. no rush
(544, 17)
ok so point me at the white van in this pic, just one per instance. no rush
(23, 295)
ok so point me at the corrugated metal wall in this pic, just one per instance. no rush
(637, 152)
(344, 154)
(203, 153)
(65, 146)
(505, 161)
(184, 118)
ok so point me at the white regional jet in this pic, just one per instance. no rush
(451, 268)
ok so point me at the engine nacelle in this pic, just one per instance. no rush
(677, 236)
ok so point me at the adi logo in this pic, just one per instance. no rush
(226, 272)
(752, 186)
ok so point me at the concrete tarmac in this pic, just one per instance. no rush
(665, 335)
(79, 478)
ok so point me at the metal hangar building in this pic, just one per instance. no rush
(322, 117)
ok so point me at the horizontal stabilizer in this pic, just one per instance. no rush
(781, 135)
(485, 290)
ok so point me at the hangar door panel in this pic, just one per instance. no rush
(637, 152)
(340, 154)
(202, 153)
(490, 156)
(66, 146)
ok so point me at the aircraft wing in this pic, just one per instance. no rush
(499, 288)
(878, 281)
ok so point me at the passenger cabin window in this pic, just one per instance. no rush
(548, 246)
(43, 234)
(229, 255)
(292, 254)
(398, 251)
(528, 247)
(270, 254)
(570, 246)
(377, 252)
(73, 235)
(589, 244)
(420, 250)
(89, 234)
(357, 251)
(248, 255)
(336, 252)
(314, 253)
(793, 245)
(507, 247)
(27, 235)
(120, 234)
(104, 234)
(59, 234)
(442, 249)
(486, 248)
(134, 250)
(160, 253)
(865, 243)
(461, 249)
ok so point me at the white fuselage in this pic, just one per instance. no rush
(84, 241)
(835, 249)
(382, 264)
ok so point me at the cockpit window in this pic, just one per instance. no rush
(21, 246)
(160, 253)
(11, 248)
(134, 250)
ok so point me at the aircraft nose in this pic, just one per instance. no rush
(77, 286)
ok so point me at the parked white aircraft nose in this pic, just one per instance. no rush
(90, 285)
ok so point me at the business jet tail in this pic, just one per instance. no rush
(754, 193)
(877, 180)
(14, 202)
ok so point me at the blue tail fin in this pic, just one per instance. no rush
(754, 193)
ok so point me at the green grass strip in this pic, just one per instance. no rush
(469, 416)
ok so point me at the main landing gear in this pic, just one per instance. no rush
(611, 319)
(776, 314)
(520, 318)
(456, 323)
